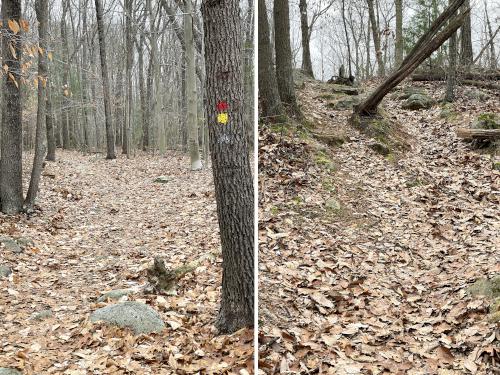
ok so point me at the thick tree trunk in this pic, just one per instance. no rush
(192, 110)
(413, 60)
(142, 94)
(42, 13)
(376, 38)
(399, 33)
(466, 54)
(110, 137)
(452, 68)
(268, 87)
(230, 161)
(306, 37)
(11, 184)
(283, 53)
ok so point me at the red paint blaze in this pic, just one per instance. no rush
(222, 106)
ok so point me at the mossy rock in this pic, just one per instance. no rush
(475, 94)
(448, 112)
(5, 271)
(489, 288)
(11, 245)
(496, 165)
(418, 101)
(332, 140)
(345, 103)
(346, 90)
(333, 205)
(9, 371)
(135, 315)
(487, 121)
(383, 130)
(41, 315)
(322, 159)
(406, 92)
(380, 148)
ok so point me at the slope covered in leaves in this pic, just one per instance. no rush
(98, 227)
(365, 260)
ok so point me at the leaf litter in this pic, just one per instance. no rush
(97, 227)
(377, 286)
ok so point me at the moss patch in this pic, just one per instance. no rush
(322, 159)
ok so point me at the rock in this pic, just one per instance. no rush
(10, 244)
(9, 371)
(135, 315)
(448, 112)
(418, 101)
(347, 90)
(484, 287)
(406, 92)
(487, 121)
(162, 179)
(5, 271)
(333, 205)
(380, 148)
(346, 103)
(44, 314)
(25, 242)
(115, 294)
(475, 94)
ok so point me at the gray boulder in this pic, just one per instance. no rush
(418, 101)
(5, 271)
(11, 244)
(347, 90)
(135, 315)
(9, 371)
(406, 92)
(345, 103)
(42, 314)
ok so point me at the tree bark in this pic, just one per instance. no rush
(11, 184)
(192, 110)
(466, 54)
(283, 53)
(110, 136)
(230, 161)
(399, 33)
(452, 69)
(414, 59)
(129, 5)
(49, 121)
(306, 38)
(42, 13)
(65, 112)
(268, 86)
(376, 38)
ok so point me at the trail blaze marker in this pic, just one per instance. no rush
(222, 116)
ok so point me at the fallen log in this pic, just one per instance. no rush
(478, 133)
(482, 84)
(441, 76)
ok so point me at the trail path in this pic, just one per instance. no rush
(378, 285)
(101, 224)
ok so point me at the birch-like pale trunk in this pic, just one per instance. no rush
(192, 115)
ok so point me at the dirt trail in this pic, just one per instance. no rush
(101, 224)
(378, 285)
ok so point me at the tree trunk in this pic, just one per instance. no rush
(376, 38)
(414, 59)
(466, 54)
(493, 55)
(399, 33)
(230, 161)
(283, 52)
(110, 136)
(268, 86)
(306, 37)
(142, 94)
(347, 40)
(49, 121)
(65, 117)
(452, 69)
(129, 6)
(192, 110)
(42, 13)
(11, 184)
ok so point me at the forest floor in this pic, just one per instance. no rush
(98, 226)
(365, 260)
